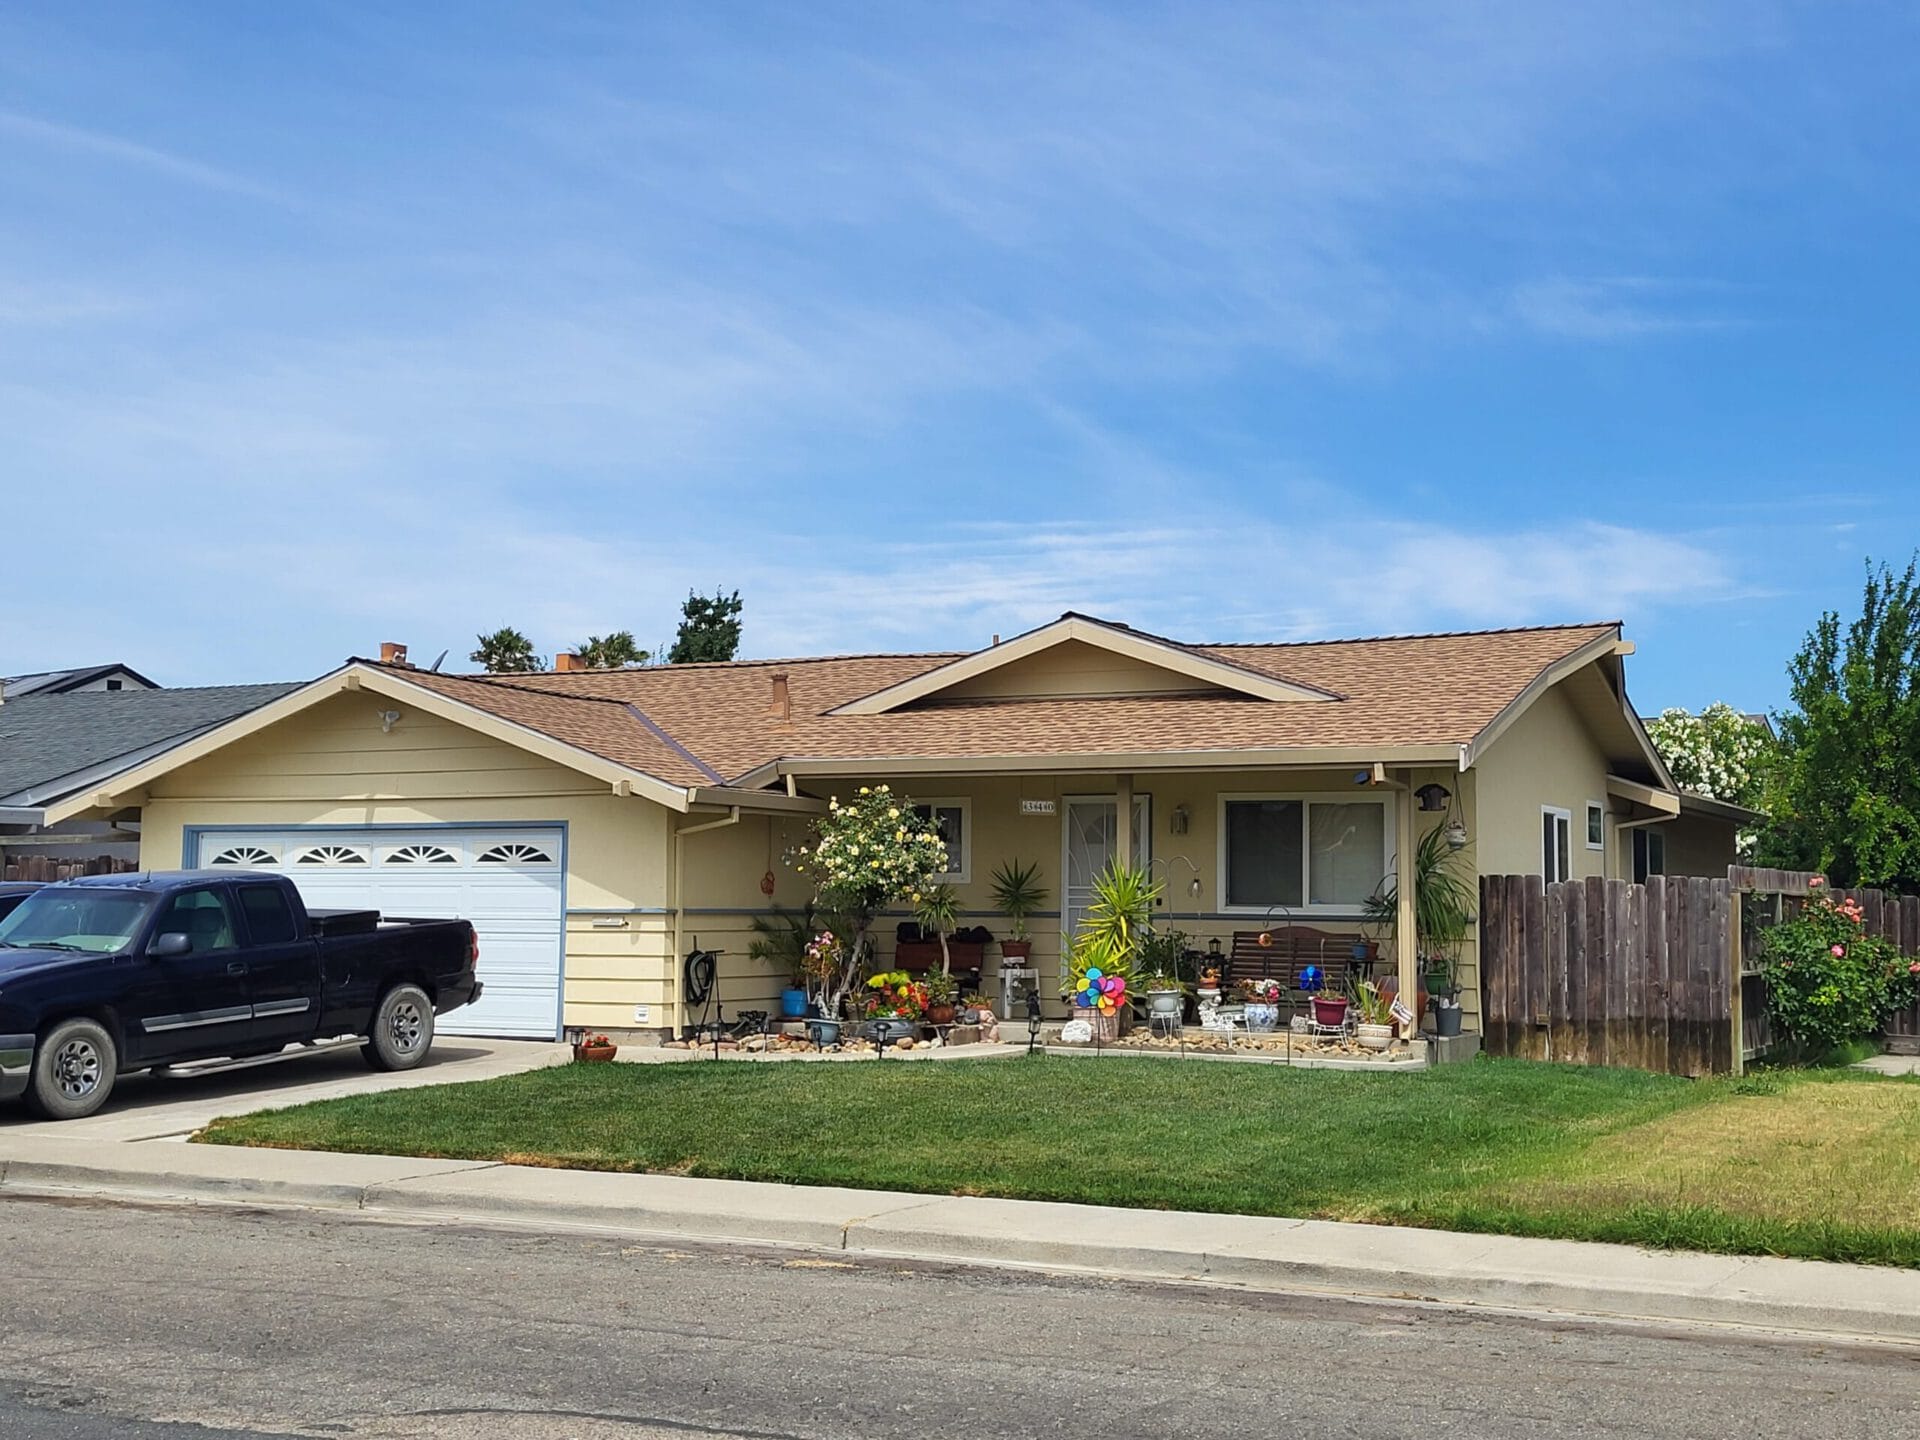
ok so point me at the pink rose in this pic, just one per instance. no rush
(1815, 883)
(1839, 951)
(1914, 968)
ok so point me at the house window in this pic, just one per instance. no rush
(1596, 825)
(422, 855)
(1556, 844)
(949, 819)
(1302, 853)
(515, 854)
(245, 855)
(1649, 855)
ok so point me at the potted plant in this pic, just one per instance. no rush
(822, 960)
(1329, 1006)
(781, 940)
(942, 992)
(1375, 1029)
(1445, 989)
(1444, 901)
(1166, 995)
(1104, 957)
(1017, 893)
(936, 912)
(894, 1005)
(595, 1049)
(1260, 1003)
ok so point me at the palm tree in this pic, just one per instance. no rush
(506, 652)
(613, 652)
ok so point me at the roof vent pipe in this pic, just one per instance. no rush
(392, 653)
(781, 706)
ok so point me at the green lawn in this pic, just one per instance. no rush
(1818, 1165)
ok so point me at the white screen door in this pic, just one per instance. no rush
(1088, 832)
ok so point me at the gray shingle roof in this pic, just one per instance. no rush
(46, 737)
(58, 681)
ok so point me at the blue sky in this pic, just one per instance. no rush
(330, 324)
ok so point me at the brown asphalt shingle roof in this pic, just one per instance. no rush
(710, 724)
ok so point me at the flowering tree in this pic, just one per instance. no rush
(1719, 753)
(865, 855)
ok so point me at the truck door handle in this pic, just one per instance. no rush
(236, 967)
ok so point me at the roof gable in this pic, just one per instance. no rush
(1081, 657)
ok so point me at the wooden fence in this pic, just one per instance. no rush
(50, 868)
(1653, 977)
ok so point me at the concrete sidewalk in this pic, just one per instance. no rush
(1227, 1250)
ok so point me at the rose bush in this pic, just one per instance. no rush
(1828, 981)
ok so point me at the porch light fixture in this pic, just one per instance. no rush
(1213, 948)
(1177, 825)
(1433, 797)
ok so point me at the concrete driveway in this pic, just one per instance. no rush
(171, 1107)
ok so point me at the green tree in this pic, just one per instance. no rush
(709, 628)
(506, 652)
(613, 652)
(1720, 753)
(1845, 797)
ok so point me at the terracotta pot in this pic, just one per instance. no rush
(595, 1054)
(1019, 950)
(940, 1014)
(1390, 987)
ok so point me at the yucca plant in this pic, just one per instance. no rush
(936, 913)
(1017, 893)
(1117, 924)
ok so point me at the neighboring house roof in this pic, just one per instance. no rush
(50, 744)
(720, 733)
(55, 682)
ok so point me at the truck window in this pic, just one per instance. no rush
(200, 915)
(269, 916)
(97, 921)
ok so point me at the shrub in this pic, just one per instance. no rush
(1828, 981)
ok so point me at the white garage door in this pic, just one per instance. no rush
(506, 880)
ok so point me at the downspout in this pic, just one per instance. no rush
(677, 960)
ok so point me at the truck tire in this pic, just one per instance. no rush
(74, 1068)
(402, 1029)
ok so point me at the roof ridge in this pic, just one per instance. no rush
(492, 677)
(1408, 635)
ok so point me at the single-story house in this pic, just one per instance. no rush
(597, 825)
(58, 741)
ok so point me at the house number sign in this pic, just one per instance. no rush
(1036, 807)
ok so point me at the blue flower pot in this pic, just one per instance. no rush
(793, 1003)
(823, 1032)
(891, 1030)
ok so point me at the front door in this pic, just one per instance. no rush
(1091, 827)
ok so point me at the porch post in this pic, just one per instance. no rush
(1123, 819)
(1406, 940)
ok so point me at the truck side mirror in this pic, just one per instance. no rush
(170, 946)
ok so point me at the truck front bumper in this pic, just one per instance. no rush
(16, 1063)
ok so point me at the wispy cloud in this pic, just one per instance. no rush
(1613, 308)
(121, 151)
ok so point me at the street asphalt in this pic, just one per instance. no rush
(128, 1323)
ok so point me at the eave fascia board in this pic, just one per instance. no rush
(21, 815)
(1665, 802)
(1549, 677)
(1119, 642)
(1299, 758)
(766, 802)
(1692, 804)
(357, 677)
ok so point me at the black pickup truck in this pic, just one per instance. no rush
(116, 973)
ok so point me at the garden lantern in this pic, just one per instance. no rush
(1033, 1021)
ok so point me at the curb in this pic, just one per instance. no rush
(1241, 1252)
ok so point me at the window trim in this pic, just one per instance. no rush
(1593, 807)
(964, 804)
(1307, 799)
(1565, 817)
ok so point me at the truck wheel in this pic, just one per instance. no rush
(73, 1070)
(402, 1029)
